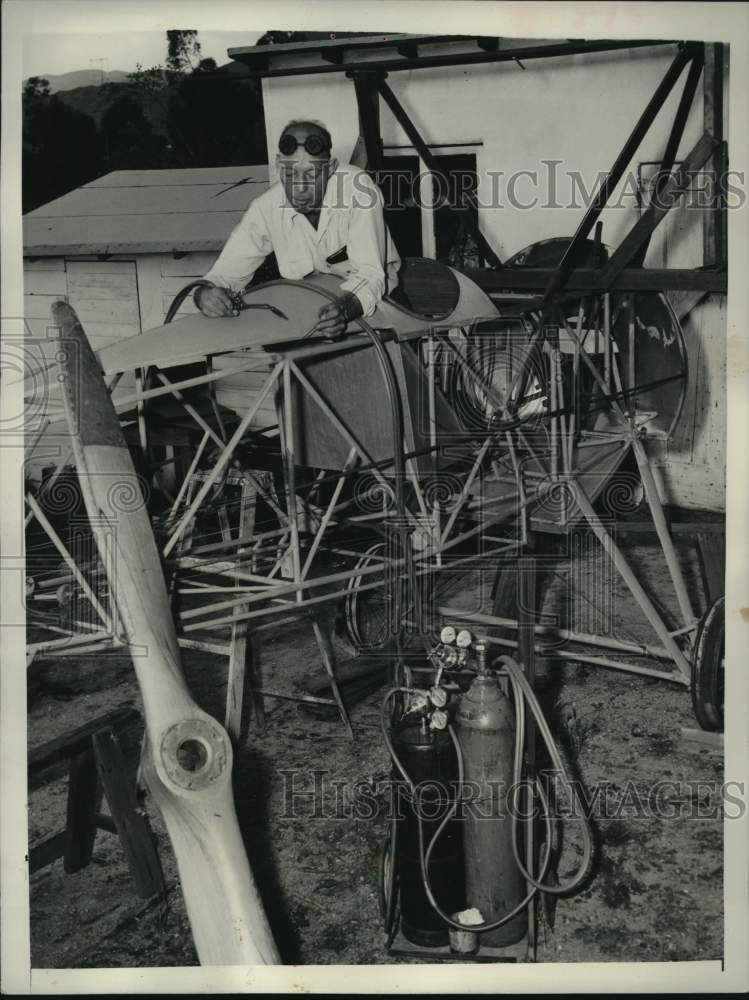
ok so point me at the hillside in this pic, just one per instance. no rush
(81, 78)
(192, 120)
(95, 100)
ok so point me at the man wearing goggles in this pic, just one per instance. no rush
(323, 216)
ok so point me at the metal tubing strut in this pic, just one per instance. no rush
(664, 537)
(550, 632)
(289, 461)
(625, 571)
(596, 661)
(69, 562)
(222, 461)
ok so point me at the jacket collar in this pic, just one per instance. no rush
(292, 217)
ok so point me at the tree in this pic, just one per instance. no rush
(208, 118)
(150, 80)
(206, 66)
(129, 139)
(36, 86)
(183, 50)
(276, 37)
(215, 120)
(61, 150)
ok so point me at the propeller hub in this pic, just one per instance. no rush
(196, 753)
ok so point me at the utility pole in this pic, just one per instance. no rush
(101, 63)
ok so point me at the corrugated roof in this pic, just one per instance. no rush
(146, 211)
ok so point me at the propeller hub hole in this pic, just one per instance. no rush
(192, 755)
(195, 753)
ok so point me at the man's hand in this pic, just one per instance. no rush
(214, 302)
(333, 318)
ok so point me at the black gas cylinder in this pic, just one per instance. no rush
(428, 757)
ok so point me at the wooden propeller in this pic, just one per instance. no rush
(187, 759)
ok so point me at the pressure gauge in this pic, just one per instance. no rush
(464, 639)
(439, 719)
(447, 635)
(438, 696)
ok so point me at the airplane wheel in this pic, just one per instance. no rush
(708, 668)
(366, 612)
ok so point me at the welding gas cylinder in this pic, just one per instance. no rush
(485, 725)
(429, 758)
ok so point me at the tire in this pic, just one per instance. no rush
(708, 668)
(366, 612)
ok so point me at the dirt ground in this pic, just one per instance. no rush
(655, 891)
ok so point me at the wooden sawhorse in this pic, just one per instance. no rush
(97, 768)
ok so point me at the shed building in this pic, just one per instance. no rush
(121, 247)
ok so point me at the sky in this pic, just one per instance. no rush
(51, 54)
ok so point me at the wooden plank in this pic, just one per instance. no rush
(714, 218)
(103, 335)
(79, 268)
(368, 103)
(135, 200)
(190, 265)
(242, 52)
(523, 279)
(256, 59)
(39, 307)
(129, 234)
(108, 311)
(189, 176)
(170, 284)
(229, 359)
(90, 287)
(238, 401)
(84, 796)
(132, 826)
(46, 282)
(106, 823)
(187, 308)
(44, 853)
(69, 744)
(148, 270)
(44, 263)
(244, 380)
